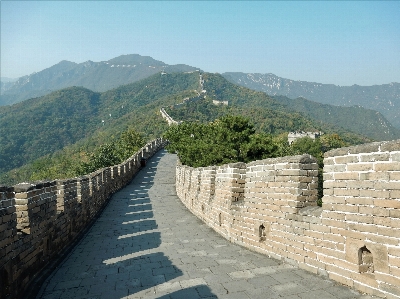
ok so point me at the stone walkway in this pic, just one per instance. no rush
(146, 244)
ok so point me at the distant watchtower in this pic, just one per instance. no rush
(293, 136)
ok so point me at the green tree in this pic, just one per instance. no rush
(226, 140)
(129, 142)
(260, 146)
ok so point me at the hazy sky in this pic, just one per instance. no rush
(343, 43)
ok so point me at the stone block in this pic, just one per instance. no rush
(360, 167)
(386, 185)
(388, 231)
(360, 201)
(360, 218)
(388, 166)
(387, 278)
(373, 157)
(387, 203)
(378, 176)
(390, 146)
(346, 176)
(346, 159)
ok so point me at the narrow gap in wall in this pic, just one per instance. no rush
(365, 260)
(262, 233)
(220, 219)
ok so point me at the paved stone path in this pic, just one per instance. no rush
(146, 244)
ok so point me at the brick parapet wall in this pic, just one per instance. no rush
(354, 238)
(362, 208)
(39, 220)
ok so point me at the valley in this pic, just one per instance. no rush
(73, 121)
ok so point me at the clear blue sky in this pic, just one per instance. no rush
(343, 43)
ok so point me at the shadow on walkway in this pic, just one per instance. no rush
(121, 255)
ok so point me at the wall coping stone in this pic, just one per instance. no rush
(24, 187)
(382, 146)
(303, 159)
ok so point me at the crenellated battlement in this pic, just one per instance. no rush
(270, 206)
(39, 220)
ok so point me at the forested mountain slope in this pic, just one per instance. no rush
(355, 119)
(96, 76)
(382, 98)
(75, 115)
(39, 126)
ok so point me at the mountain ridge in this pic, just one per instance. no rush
(41, 126)
(382, 98)
(96, 76)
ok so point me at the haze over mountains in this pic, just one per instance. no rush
(383, 98)
(96, 76)
(77, 115)
(125, 69)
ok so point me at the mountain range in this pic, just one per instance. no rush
(40, 126)
(50, 112)
(96, 76)
(382, 98)
(125, 69)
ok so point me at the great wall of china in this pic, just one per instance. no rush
(270, 206)
(39, 221)
(200, 95)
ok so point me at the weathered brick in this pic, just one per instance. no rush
(345, 208)
(335, 168)
(394, 213)
(360, 218)
(363, 227)
(382, 185)
(389, 279)
(333, 215)
(360, 167)
(378, 176)
(374, 193)
(346, 192)
(360, 201)
(394, 262)
(333, 200)
(376, 211)
(346, 159)
(387, 203)
(385, 221)
(346, 175)
(388, 166)
(333, 223)
(394, 176)
(382, 240)
(361, 184)
(395, 251)
(373, 157)
(388, 231)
